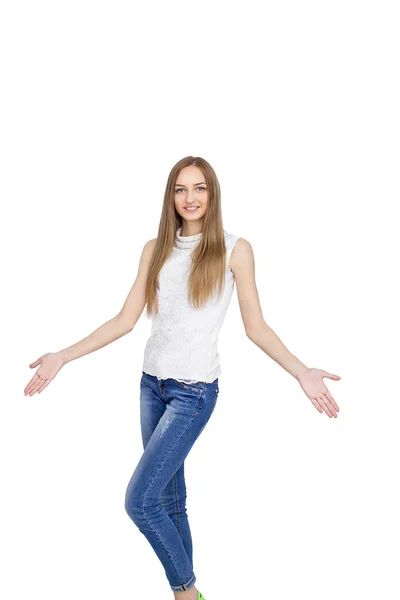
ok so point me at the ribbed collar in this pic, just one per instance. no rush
(186, 242)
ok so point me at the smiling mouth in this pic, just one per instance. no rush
(191, 208)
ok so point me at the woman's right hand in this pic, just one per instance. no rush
(50, 364)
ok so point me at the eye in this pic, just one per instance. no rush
(200, 187)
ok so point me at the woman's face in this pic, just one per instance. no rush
(191, 194)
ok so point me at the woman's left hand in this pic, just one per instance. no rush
(312, 383)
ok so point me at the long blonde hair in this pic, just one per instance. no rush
(207, 272)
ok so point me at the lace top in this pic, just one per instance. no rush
(183, 340)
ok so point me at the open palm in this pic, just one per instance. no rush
(313, 385)
(50, 364)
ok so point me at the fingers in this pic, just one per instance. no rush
(35, 383)
(331, 375)
(332, 400)
(45, 384)
(316, 404)
(30, 384)
(329, 409)
(323, 404)
(35, 364)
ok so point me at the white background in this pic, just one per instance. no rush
(296, 107)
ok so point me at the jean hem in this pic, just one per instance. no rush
(184, 586)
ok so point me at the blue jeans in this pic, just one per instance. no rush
(172, 416)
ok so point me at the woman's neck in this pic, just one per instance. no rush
(189, 228)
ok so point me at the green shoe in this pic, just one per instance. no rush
(200, 597)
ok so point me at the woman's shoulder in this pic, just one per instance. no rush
(230, 240)
(236, 242)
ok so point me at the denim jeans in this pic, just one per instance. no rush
(172, 416)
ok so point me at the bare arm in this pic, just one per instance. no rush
(50, 363)
(243, 267)
(123, 322)
(257, 330)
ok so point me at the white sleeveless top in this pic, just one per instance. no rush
(183, 340)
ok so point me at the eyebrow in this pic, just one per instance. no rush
(194, 185)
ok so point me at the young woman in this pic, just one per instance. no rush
(185, 278)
